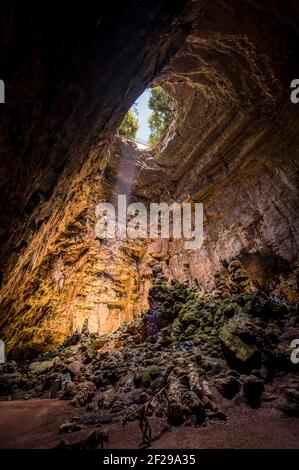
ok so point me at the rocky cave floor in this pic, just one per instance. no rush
(197, 370)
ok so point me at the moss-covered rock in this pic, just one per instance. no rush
(166, 300)
(40, 367)
(145, 377)
(193, 405)
(259, 304)
(10, 383)
(108, 398)
(228, 309)
(192, 312)
(239, 347)
(176, 329)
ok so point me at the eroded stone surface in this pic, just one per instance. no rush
(234, 148)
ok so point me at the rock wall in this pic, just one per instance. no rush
(70, 77)
(235, 145)
(60, 284)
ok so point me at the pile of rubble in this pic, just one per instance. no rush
(178, 361)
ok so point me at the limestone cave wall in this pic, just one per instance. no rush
(234, 147)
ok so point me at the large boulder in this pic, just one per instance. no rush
(237, 338)
(74, 367)
(84, 393)
(228, 386)
(40, 367)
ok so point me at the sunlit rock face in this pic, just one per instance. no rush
(235, 145)
(78, 279)
(84, 69)
(234, 148)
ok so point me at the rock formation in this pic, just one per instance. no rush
(73, 305)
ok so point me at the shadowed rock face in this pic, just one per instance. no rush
(234, 148)
(71, 76)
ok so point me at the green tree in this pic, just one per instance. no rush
(129, 126)
(163, 112)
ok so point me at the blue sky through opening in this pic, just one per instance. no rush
(143, 115)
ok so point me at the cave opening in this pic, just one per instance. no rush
(149, 118)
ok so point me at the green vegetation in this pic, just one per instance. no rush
(163, 112)
(145, 377)
(237, 328)
(129, 126)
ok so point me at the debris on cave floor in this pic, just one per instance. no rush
(95, 440)
(186, 361)
(35, 424)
